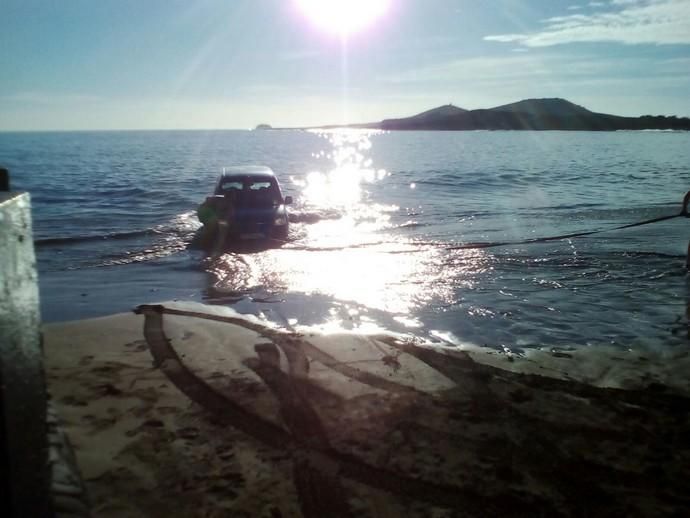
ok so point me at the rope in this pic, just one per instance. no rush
(682, 214)
(493, 244)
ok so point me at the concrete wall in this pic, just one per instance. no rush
(23, 438)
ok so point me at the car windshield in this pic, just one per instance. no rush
(253, 192)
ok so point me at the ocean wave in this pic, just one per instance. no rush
(68, 240)
(412, 224)
(313, 216)
(181, 224)
(157, 251)
(122, 191)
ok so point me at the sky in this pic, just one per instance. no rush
(215, 64)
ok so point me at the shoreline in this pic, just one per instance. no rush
(372, 421)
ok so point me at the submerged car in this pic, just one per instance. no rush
(247, 204)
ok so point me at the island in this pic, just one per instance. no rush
(528, 114)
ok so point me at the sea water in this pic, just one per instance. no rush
(375, 221)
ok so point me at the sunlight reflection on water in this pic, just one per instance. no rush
(357, 257)
(342, 186)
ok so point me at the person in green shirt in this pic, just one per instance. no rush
(214, 213)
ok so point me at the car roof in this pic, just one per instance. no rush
(247, 170)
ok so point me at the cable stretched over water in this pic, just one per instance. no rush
(682, 214)
(494, 244)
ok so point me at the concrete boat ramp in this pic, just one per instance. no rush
(191, 410)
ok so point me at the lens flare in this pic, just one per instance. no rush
(343, 17)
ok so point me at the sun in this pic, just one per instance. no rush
(343, 17)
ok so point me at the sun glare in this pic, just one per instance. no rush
(343, 17)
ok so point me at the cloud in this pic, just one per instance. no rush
(632, 22)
